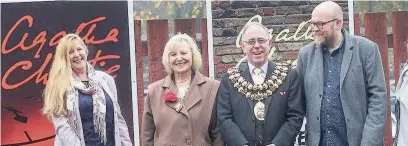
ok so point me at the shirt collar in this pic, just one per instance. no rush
(264, 67)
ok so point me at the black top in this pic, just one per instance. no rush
(86, 110)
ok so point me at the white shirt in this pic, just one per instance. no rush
(264, 69)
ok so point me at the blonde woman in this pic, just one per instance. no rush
(179, 109)
(82, 102)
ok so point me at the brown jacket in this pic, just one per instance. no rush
(194, 125)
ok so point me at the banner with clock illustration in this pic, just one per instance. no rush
(29, 34)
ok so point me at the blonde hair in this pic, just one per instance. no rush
(178, 39)
(59, 77)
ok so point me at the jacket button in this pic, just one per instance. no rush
(317, 118)
(253, 120)
(188, 142)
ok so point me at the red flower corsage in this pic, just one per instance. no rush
(92, 91)
(170, 96)
(69, 113)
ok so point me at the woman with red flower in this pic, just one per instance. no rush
(82, 102)
(179, 109)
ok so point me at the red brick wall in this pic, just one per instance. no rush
(230, 16)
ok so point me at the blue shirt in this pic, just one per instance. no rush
(332, 121)
(86, 110)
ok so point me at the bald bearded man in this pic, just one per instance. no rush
(343, 84)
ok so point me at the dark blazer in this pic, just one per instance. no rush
(195, 124)
(284, 112)
(362, 90)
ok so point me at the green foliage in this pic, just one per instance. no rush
(159, 9)
(379, 6)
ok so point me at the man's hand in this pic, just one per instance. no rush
(271, 145)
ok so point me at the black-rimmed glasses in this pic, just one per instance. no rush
(320, 24)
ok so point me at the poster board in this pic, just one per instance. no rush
(29, 34)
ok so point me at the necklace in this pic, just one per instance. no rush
(259, 92)
(181, 94)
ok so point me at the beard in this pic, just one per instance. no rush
(328, 41)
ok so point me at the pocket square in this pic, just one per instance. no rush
(283, 93)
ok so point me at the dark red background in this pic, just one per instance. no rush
(54, 17)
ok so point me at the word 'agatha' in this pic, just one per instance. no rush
(26, 22)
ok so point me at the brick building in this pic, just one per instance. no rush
(230, 16)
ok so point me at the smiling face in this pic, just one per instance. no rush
(325, 35)
(181, 58)
(256, 45)
(78, 57)
(328, 19)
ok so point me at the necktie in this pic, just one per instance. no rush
(257, 77)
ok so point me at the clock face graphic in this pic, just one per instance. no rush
(22, 122)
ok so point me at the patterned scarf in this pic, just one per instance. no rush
(99, 103)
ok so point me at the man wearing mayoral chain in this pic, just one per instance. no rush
(259, 103)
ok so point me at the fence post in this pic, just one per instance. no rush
(376, 30)
(204, 46)
(139, 74)
(400, 36)
(157, 36)
(187, 26)
(357, 24)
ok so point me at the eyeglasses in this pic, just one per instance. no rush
(253, 41)
(320, 25)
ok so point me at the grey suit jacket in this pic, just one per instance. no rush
(66, 136)
(362, 91)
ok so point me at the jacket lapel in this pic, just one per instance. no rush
(169, 86)
(317, 75)
(405, 69)
(79, 130)
(271, 68)
(106, 88)
(348, 54)
(246, 74)
(402, 94)
(193, 94)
